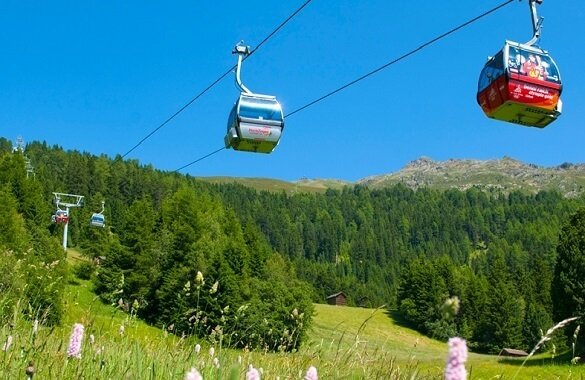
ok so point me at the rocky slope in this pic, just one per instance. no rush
(506, 175)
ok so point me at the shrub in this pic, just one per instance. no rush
(84, 270)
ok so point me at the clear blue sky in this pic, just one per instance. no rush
(98, 76)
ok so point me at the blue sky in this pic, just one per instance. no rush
(98, 76)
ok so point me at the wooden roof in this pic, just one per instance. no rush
(513, 352)
(335, 295)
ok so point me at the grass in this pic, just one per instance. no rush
(275, 185)
(343, 328)
(345, 343)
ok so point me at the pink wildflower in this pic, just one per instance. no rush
(252, 373)
(193, 374)
(455, 368)
(311, 374)
(74, 350)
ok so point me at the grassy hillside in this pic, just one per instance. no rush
(375, 336)
(275, 185)
(345, 342)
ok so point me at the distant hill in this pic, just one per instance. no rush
(304, 185)
(505, 175)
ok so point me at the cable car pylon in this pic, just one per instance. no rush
(62, 216)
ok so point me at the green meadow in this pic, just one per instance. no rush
(344, 343)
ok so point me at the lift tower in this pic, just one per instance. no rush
(69, 201)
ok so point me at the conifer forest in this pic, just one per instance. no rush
(208, 258)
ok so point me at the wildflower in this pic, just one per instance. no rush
(450, 308)
(100, 350)
(216, 362)
(252, 373)
(193, 374)
(214, 288)
(74, 350)
(121, 330)
(455, 368)
(197, 348)
(29, 371)
(211, 351)
(91, 339)
(35, 329)
(311, 374)
(199, 278)
(8, 343)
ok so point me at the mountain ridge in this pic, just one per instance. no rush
(506, 174)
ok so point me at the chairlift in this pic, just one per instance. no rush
(60, 216)
(521, 84)
(256, 121)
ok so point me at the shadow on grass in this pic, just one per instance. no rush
(562, 359)
(399, 319)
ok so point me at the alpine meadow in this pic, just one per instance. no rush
(178, 277)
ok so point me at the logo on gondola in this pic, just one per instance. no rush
(534, 73)
(260, 131)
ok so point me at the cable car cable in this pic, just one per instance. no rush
(179, 111)
(282, 24)
(398, 59)
(200, 159)
(373, 72)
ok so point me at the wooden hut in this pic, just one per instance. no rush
(513, 352)
(338, 298)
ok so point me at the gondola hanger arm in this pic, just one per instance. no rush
(536, 21)
(242, 51)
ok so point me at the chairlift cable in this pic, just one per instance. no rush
(221, 77)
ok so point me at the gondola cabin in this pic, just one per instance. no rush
(522, 85)
(255, 124)
(97, 220)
